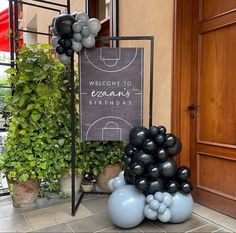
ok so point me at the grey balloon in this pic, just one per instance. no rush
(154, 204)
(85, 31)
(162, 208)
(81, 16)
(159, 196)
(64, 59)
(110, 185)
(126, 206)
(82, 23)
(181, 208)
(94, 25)
(118, 181)
(88, 42)
(150, 213)
(166, 216)
(76, 27)
(54, 41)
(76, 46)
(77, 37)
(167, 200)
(149, 198)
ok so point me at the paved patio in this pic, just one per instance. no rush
(52, 214)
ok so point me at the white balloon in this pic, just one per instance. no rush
(122, 174)
(76, 46)
(118, 181)
(88, 42)
(81, 16)
(94, 25)
(77, 37)
(76, 27)
(166, 216)
(110, 185)
(54, 41)
(64, 59)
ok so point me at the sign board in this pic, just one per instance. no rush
(111, 93)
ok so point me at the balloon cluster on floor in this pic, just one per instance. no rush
(151, 185)
(73, 32)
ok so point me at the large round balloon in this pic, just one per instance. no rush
(126, 207)
(94, 26)
(89, 41)
(63, 25)
(168, 168)
(175, 149)
(155, 186)
(181, 207)
(138, 135)
(183, 173)
(141, 156)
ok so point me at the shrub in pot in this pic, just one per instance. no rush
(103, 159)
(35, 146)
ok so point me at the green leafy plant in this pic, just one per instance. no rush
(38, 141)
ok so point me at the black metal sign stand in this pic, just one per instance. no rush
(75, 205)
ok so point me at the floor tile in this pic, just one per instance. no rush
(117, 229)
(192, 223)
(57, 228)
(147, 226)
(14, 223)
(207, 228)
(97, 205)
(57, 200)
(91, 224)
(222, 230)
(6, 200)
(39, 219)
(215, 217)
(9, 209)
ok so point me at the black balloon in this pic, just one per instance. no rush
(161, 154)
(63, 25)
(141, 183)
(160, 138)
(127, 160)
(183, 173)
(170, 140)
(153, 172)
(141, 156)
(155, 186)
(162, 129)
(137, 168)
(168, 168)
(61, 42)
(60, 49)
(186, 187)
(129, 150)
(176, 149)
(67, 44)
(172, 186)
(149, 145)
(128, 176)
(153, 130)
(69, 52)
(138, 135)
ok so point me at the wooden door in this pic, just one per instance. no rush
(213, 104)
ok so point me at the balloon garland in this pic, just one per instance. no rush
(73, 32)
(151, 170)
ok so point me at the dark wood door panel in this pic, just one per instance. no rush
(213, 8)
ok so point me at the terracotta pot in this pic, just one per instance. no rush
(24, 193)
(109, 172)
(65, 182)
(87, 187)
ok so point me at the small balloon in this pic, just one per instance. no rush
(167, 200)
(186, 187)
(141, 156)
(67, 44)
(176, 149)
(170, 140)
(153, 130)
(183, 173)
(162, 208)
(162, 129)
(155, 186)
(159, 196)
(77, 27)
(149, 145)
(159, 139)
(81, 16)
(94, 25)
(168, 168)
(149, 213)
(54, 41)
(76, 46)
(128, 176)
(153, 172)
(166, 216)
(141, 183)
(154, 204)
(118, 181)
(138, 135)
(161, 154)
(129, 150)
(77, 37)
(69, 52)
(88, 42)
(64, 59)
(149, 198)
(85, 31)
(137, 168)
(110, 185)
(61, 42)
(172, 186)
(74, 14)
(121, 174)
(127, 160)
(60, 49)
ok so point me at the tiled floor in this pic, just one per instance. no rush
(53, 215)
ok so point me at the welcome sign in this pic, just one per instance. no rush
(111, 93)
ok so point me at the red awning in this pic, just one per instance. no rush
(4, 28)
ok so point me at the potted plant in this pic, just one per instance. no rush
(102, 159)
(88, 182)
(35, 145)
